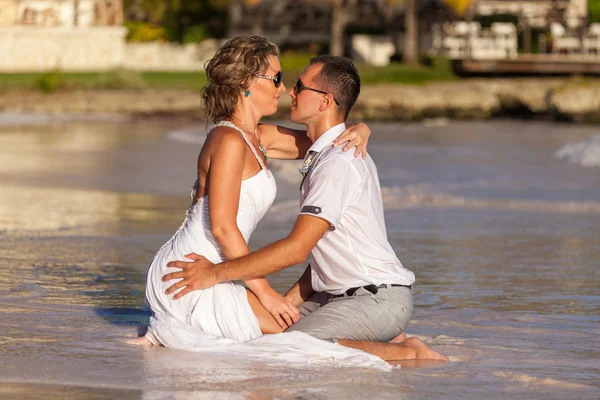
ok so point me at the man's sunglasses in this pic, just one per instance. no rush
(277, 78)
(300, 87)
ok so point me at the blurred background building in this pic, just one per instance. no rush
(480, 35)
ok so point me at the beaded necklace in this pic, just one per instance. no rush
(260, 146)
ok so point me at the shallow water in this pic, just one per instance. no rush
(501, 228)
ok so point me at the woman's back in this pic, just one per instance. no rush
(195, 236)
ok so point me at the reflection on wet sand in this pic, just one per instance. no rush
(65, 209)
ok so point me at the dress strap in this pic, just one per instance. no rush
(248, 142)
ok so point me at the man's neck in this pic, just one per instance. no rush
(316, 130)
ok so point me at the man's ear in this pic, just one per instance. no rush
(326, 102)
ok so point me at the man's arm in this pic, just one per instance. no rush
(293, 249)
(302, 290)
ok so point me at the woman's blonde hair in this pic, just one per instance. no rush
(231, 71)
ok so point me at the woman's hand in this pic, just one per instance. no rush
(280, 308)
(356, 135)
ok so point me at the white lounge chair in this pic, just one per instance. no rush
(505, 37)
(591, 41)
(562, 41)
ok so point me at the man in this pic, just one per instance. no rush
(364, 295)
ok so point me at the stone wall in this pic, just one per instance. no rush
(30, 49)
(94, 48)
(156, 56)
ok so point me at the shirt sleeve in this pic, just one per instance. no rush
(332, 186)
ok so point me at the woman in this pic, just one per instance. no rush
(233, 191)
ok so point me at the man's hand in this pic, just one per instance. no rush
(280, 308)
(194, 275)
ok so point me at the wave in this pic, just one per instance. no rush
(190, 134)
(17, 118)
(287, 170)
(395, 198)
(585, 153)
(413, 196)
(531, 380)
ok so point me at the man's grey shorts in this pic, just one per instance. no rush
(365, 316)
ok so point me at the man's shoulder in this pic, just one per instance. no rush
(337, 155)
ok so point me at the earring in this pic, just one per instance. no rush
(247, 93)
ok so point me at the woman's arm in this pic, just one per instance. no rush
(302, 290)
(224, 184)
(290, 144)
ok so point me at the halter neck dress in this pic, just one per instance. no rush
(219, 319)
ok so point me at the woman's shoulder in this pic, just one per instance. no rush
(223, 135)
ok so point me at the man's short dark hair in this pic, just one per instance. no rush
(339, 77)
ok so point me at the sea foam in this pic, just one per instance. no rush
(585, 153)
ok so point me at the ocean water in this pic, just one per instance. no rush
(499, 220)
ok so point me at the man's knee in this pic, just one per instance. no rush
(365, 318)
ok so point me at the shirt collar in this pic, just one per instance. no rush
(328, 137)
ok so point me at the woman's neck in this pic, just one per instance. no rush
(247, 118)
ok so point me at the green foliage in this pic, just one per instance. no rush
(594, 10)
(49, 82)
(144, 32)
(175, 80)
(120, 79)
(292, 65)
(152, 11)
(440, 70)
(195, 34)
(185, 21)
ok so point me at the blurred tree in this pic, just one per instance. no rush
(345, 12)
(182, 20)
(152, 11)
(411, 33)
(342, 14)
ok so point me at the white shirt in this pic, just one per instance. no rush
(345, 191)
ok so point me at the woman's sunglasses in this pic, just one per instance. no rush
(277, 78)
(300, 87)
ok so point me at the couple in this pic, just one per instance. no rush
(355, 292)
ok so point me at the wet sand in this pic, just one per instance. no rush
(501, 232)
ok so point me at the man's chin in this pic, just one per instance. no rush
(293, 116)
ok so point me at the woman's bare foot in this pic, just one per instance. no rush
(423, 351)
(139, 341)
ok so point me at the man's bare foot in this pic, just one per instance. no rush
(423, 351)
(399, 339)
